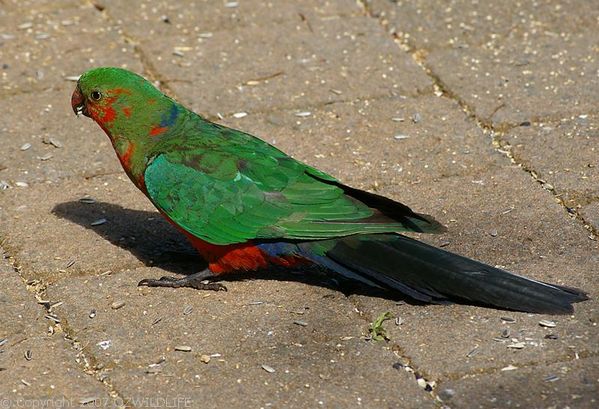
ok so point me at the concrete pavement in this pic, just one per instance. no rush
(481, 114)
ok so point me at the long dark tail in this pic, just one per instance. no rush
(429, 274)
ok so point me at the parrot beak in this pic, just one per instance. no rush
(78, 102)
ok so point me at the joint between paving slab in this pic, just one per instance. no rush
(405, 362)
(149, 70)
(505, 148)
(87, 361)
(441, 88)
(90, 366)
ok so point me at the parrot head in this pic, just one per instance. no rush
(124, 104)
(134, 114)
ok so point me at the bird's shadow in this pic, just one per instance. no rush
(155, 242)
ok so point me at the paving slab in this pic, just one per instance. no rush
(573, 384)
(565, 155)
(463, 23)
(264, 347)
(524, 87)
(291, 65)
(509, 64)
(35, 6)
(453, 341)
(40, 45)
(190, 18)
(37, 367)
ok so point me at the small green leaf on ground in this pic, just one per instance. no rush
(377, 332)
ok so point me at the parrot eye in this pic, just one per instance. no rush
(96, 95)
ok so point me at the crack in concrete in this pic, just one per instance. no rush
(85, 360)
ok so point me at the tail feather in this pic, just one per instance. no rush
(430, 274)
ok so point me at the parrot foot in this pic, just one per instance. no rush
(199, 281)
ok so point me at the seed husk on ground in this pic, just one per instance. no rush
(53, 141)
(300, 323)
(472, 352)
(117, 304)
(547, 324)
(98, 222)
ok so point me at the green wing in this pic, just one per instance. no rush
(228, 193)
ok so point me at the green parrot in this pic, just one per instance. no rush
(247, 206)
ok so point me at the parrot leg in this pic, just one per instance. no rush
(196, 280)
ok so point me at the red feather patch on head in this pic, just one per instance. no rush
(119, 91)
(103, 112)
(109, 114)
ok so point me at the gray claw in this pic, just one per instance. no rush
(190, 281)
